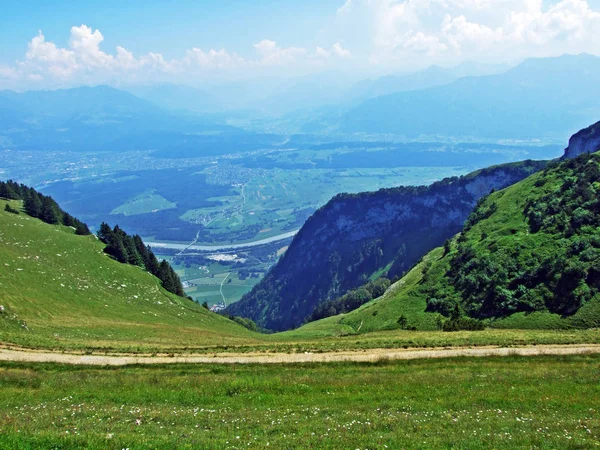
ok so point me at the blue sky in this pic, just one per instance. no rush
(168, 27)
(137, 41)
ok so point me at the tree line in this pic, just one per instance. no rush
(41, 206)
(132, 250)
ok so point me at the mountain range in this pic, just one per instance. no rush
(548, 97)
(103, 118)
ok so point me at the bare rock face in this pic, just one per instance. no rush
(585, 141)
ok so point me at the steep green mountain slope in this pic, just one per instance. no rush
(60, 289)
(359, 237)
(528, 257)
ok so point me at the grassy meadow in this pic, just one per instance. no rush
(60, 290)
(514, 402)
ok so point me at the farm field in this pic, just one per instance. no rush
(214, 283)
(511, 402)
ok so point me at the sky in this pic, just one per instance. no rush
(68, 43)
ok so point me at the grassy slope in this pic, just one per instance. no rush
(508, 228)
(84, 300)
(541, 402)
(383, 313)
(60, 290)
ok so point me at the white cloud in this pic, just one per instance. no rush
(42, 55)
(8, 73)
(402, 31)
(213, 59)
(84, 61)
(340, 51)
(388, 34)
(85, 44)
(320, 52)
(422, 43)
(271, 54)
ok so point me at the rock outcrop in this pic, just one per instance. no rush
(585, 141)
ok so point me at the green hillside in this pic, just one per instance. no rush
(59, 289)
(528, 257)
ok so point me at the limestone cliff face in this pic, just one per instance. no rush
(355, 236)
(586, 141)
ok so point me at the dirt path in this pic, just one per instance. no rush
(285, 358)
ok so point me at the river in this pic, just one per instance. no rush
(221, 247)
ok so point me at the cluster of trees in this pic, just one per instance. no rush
(132, 250)
(351, 300)
(553, 266)
(41, 206)
(458, 321)
(572, 204)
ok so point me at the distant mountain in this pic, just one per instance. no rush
(102, 118)
(178, 97)
(422, 79)
(359, 237)
(540, 98)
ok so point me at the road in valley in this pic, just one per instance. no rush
(221, 247)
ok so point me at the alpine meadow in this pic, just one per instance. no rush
(344, 224)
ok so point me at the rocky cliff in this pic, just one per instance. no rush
(356, 237)
(586, 141)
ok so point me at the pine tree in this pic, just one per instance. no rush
(33, 204)
(8, 192)
(152, 265)
(133, 256)
(68, 220)
(177, 286)
(105, 233)
(82, 229)
(165, 276)
(50, 212)
(118, 250)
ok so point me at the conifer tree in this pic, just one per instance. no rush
(82, 229)
(33, 204)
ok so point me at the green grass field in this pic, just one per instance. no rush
(60, 290)
(147, 202)
(207, 282)
(503, 403)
